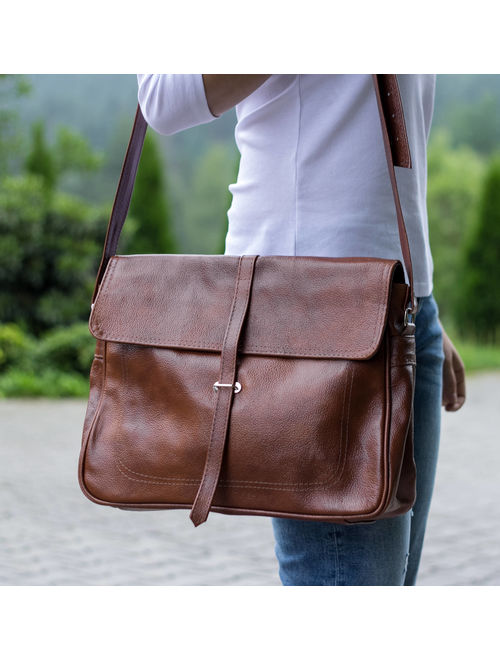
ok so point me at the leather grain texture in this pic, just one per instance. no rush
(312, 359)
(301, 306)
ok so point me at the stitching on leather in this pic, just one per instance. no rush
(231, 485)
(248, 348)
(146, 481)
(85, 445)
(271, 483)
(270, 350)
(240, 483)
(388, 422)
(103, 291)
(148, 476)
(344, 460)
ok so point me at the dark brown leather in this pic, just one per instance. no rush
(387, 89)
(123, 194)
(301, 307)
(225, 388)
(322, 427)
(390, 108)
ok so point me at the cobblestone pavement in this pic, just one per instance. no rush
(50, 534)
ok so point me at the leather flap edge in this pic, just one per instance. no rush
(317, 307)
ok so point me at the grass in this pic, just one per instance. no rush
(478, 357)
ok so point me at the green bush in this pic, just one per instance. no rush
(478, 357)
(49, 252)
(15, 346)
(48, 383)
(56, 365)
(477, 309)
(454, 186)
(69, 349)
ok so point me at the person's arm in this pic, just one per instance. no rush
(173, 102)
(225, 91)
(453, 376)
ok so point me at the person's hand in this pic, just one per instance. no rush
(453, 376)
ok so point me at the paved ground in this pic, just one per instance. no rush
(50, 534)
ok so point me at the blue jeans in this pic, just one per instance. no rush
(386, 552)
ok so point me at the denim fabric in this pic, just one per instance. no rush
(386, 552)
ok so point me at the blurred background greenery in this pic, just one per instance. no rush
(62, 140)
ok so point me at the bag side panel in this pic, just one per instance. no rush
(402, 472)
(97, 378)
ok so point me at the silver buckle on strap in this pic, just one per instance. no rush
(411, 311)
(408, 314)
(237, 386)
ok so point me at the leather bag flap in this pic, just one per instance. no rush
(316, 307)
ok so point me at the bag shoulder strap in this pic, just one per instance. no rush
(397, 153)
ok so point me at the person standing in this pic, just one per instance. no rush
(313, 181)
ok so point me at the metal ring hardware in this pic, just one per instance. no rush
(237, 386)
(406, 321)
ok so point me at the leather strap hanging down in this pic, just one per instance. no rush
(224, 391)
(123, 194)
(394, 118)
(396, 150)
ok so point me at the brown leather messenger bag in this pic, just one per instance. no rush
(257, 385)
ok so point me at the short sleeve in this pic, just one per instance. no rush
(173, 102)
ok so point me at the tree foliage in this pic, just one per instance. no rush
(454, 180)
(12, 88)
(70, 155)
(478, 309)
(40, 160)
(50, 241)
(149, 207)
(208, 200)
(49, 253)
(468, 106)
(476, 124)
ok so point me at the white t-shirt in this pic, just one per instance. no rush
(313, 177)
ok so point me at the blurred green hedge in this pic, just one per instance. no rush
(55, 365)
